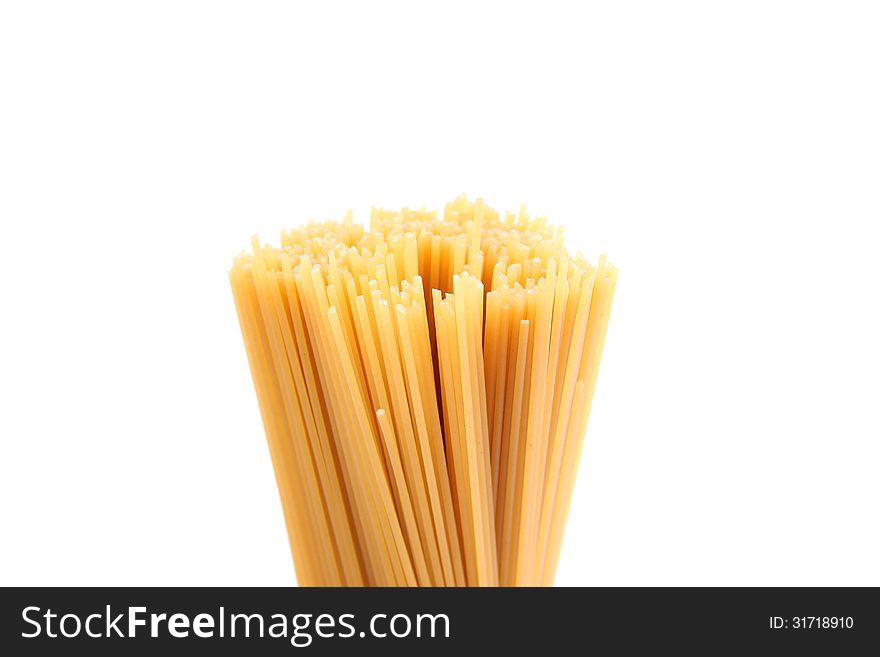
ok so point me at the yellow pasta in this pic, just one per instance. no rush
(425, 385)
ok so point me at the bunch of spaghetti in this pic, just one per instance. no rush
(424, 387)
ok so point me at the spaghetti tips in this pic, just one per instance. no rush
(425, 387)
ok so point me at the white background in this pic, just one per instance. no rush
(726, 155)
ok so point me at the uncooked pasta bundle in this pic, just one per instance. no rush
(424, 387)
